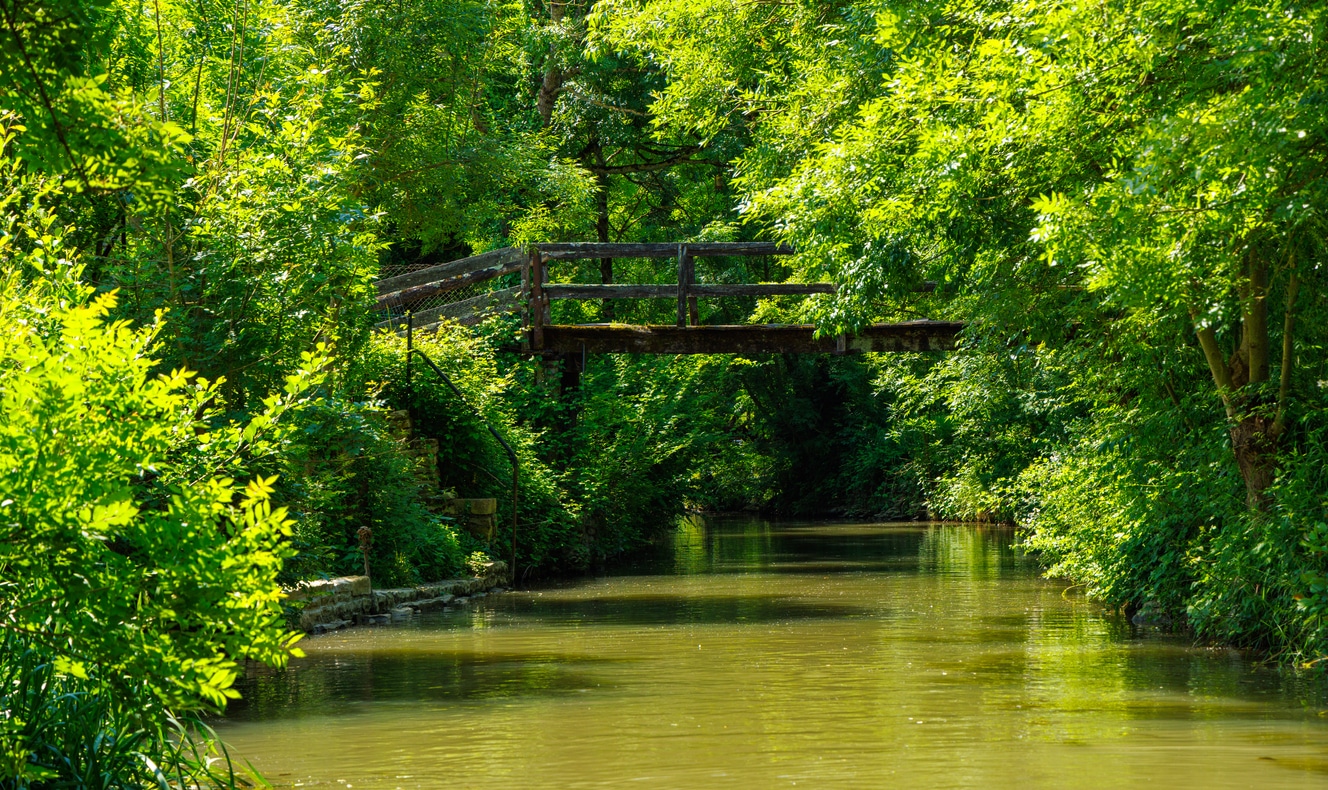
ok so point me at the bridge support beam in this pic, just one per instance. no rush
(767, 339)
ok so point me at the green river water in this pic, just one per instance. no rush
(760, 655)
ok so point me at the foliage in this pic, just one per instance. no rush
(471, 462)
(650, 436)
(345, 469)
(1123, 198)
(125, 545)
(61, 730)
(203, 177)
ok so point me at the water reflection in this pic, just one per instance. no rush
(754, 655)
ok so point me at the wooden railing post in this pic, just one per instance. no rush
(525, 305)
(691, 280)
(683, 282)
(536, 302)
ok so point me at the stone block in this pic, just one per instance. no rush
(431, 604)
(341, 588)
(334, 603)
(323, 628)
(473, 507)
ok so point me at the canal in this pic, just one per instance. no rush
(752, 654)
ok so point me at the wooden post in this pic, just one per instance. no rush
(682, 285)
(525, 306)
(536, 302)
(691, 280)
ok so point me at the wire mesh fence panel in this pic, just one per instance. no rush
(395, 309)
(393, 269)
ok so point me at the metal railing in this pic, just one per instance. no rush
(412, 352)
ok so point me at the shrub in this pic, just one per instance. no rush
(60, 730)
(135, 573)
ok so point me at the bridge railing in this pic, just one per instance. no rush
(447, 291)
(425, 292)
(462, 291)
(686, 290)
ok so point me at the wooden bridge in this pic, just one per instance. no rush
(469, 290)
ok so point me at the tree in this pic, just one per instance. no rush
(1165, 155)
(208, 151)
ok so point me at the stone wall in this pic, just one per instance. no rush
(327, 605)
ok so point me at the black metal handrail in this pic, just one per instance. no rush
(411, 351)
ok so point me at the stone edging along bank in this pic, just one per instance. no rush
(326, 605)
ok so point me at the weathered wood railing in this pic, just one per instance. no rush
(536, 293)
(686, 290)
(403, 292)
(406, 290)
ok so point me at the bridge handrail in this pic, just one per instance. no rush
(406, 290)
(700, 249)
(452, 269)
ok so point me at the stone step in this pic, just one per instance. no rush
(431, 604)
(335, 603)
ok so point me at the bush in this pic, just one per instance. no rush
(60, 730)
(135, 573)
(470, 462)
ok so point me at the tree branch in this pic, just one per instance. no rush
(1255, 319)
(645, 167)
(45, 98)
(1218, 366)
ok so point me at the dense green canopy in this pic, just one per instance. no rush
(1122, 198)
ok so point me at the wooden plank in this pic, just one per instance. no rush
(616, 291)
(768, 339)
(761, 289)
(415, 293)
(595, 249)
(466, 311)
(446, 271)
(670, 291)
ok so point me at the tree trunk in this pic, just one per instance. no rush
(550, 87)
(1255, 446)
(1255, 424)
(602, 234)
(552, 84)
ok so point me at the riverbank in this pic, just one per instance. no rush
(330, 604)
